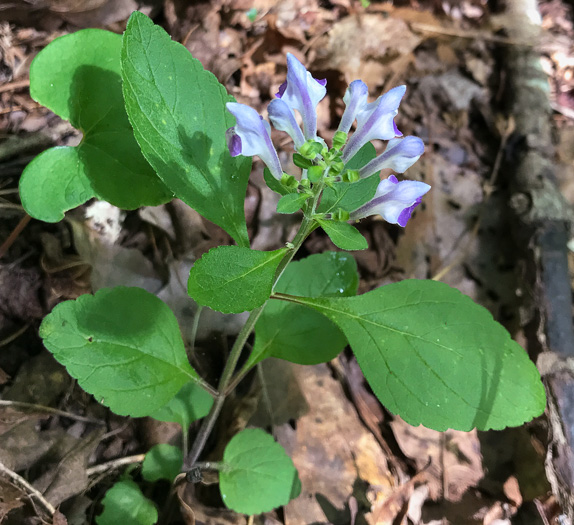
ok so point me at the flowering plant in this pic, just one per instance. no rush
(166, 128)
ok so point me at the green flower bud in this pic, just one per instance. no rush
(350, 176)
(304, 184)
(289, 181)
(301, 162)
(315, 173)
(336, 167)
(339, 140)
(311, 149)
(341, 215)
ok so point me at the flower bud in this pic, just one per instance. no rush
(301, 162)
(339, 140)
(340, 215)
(350, 176)
(289, 181)
(311, 149)
(315, 173)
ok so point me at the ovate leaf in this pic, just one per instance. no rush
(291, 202)
(350, 196)
(78, 77)
(343, 235)
(436, 358)
(191, 403)
(295, 333)
(178, 113)
(233, 279)
(258, 475)
(162, 461)
(123, 345)
(53, 183)
(124, 503)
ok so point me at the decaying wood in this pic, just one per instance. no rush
(541, 228)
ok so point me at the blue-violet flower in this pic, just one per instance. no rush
(399, 155)
(302, 92)
(252, 136)
(394, 201)
(375, 121)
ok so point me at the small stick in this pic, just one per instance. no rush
(13, 86)
(15, 335)
(49, 410)
(114, 464)
(29, 489)
(14, 235)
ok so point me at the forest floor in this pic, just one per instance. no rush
(357, 462)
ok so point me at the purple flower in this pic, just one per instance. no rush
(252, 136)
(394, 201)
(283, 119)
(399, 155)
(302, 92)
(375, 121)
(355, 100)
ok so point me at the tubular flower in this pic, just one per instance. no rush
(394, 201)
(399, 155)
(355, 99)
(376, 121)
(302, 92)
(252, 136)
(283, 119)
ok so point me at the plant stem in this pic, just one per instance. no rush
(307, 226)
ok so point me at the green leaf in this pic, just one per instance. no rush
(258, 475)
(178, 113)
(436, 358)
(53, 183)
(233, 279)
(162, 462)
(78, 77)
(295, 333)
(276, 185)
(291, 202)
(350, 196)
(123, 345)
(344, 235)
(190, 404)
(124, 503)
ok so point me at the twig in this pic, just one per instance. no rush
(29, 489)
(114, 464)
(19, 107)
(15, 335)
(474, 35)
(13, 86)
(49, 410)
(14, 235)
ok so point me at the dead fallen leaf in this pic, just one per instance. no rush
(452, 459)
(332, 451)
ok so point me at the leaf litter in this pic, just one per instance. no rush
(358, 463)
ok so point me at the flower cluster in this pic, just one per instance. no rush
(393, 200)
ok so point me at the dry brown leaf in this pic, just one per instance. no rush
(364, 47)
(452, 459)
(331, 450)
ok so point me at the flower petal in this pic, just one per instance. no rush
(282, 117)
(399, 155)
(302, 92)
(355, 100)
(251, 136)
(394, 201)
(375, 121)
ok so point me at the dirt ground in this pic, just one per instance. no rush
(357, 462)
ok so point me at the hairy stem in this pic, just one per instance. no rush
(227, 380)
